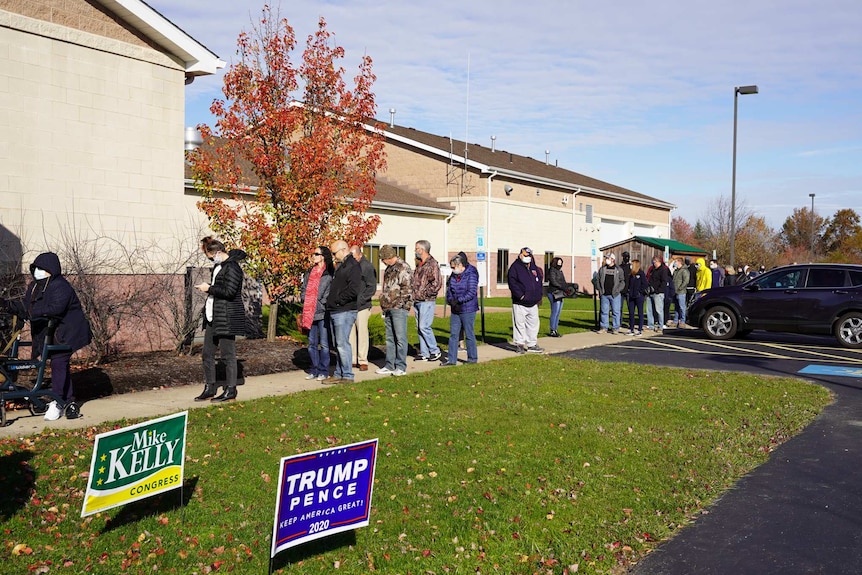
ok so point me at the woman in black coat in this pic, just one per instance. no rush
(223, 316)
(48, 297)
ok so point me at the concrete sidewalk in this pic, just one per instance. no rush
(150, 404)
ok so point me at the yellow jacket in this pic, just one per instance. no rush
(704, 275)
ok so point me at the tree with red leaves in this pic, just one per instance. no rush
(280, 175)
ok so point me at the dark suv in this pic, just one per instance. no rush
(809, 298)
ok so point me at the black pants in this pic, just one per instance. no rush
(61, 377)
(227, 350)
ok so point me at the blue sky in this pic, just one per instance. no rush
(639, 94)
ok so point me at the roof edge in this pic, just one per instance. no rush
(197, 59)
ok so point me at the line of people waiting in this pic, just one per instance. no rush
(649, 294)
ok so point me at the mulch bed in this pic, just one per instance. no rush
(131, 372)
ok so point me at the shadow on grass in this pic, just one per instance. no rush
(313, 549)
(17, 480)
(153, 506)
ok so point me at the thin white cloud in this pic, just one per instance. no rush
(639, 93)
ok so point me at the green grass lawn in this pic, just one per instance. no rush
(533, 464)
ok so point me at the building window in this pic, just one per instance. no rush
(502, 266)
(401, 252)
(549, 257)
(589, 214)
(372, 254)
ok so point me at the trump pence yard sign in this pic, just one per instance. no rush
(136, 462)
(322, 493)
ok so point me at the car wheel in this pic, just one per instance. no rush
(719, 323)
(848, 330)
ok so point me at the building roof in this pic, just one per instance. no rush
(197, 59)
(507, 164)
(388, 197)
(672, 246)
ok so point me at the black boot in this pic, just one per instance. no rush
(229, 394)
(208, 392)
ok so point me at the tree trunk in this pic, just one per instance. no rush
(273, 321)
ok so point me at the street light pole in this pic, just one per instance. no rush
(811, 258)
(736, 92)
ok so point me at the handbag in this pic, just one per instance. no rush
(558, 294)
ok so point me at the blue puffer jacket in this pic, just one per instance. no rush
(461, 290)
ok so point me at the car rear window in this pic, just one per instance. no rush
(826, 278)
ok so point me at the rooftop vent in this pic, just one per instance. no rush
(194, 140)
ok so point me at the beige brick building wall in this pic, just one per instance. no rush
(92, 138)
(534, 215)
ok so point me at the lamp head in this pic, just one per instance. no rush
(746, 90)
(508, 189)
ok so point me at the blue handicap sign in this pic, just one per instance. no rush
(838, 370)
(480, 257)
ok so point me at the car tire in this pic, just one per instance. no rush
(848, 330)
(719, 323)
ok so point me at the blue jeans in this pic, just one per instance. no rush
(655, 302)
(318, 347)
(395, 322)
(342, 322)
(680, 313)
(466, 321)
(612, 304)
(556, 308)
(424, 317)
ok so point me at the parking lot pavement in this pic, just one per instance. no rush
(800, 511)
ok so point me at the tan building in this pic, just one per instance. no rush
(92, 109)
(502, 202)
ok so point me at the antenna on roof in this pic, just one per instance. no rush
(467, 118)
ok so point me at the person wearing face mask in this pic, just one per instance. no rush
(525, 280)
(717, 274)
(557, 288)
(461, 294)
(396, 299)
(49, 296)
(704, 275)
(427, 282)
(610, 283)
(223, 317)
(680, 292)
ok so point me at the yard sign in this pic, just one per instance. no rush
(136, 462)
(322, 493)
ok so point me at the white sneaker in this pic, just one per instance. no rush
(383, 371)
(399, 372)
(321, 377)
(54, 412)
(310, 376)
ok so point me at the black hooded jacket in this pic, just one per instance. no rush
(54, 297)
(226, 291)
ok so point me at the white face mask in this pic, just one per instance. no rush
(218, 258)
(526, 259)
(39, 273)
